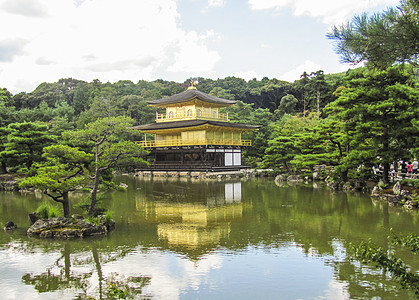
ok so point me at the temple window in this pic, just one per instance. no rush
(189, 113)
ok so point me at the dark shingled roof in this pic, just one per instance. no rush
(192, 123)
(189, 94)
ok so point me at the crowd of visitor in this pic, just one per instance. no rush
(404, 168)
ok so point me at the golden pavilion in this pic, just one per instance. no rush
(193, 135)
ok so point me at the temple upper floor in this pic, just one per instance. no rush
(191, 112)
(191, 105)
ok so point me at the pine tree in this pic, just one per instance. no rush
(378, 109)
(24, 145)
(107, 138)
(64, 169)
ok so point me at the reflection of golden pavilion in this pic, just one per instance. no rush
(182, 222)
(192, 236)
(197, 214)
(197, 225)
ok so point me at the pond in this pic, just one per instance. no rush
(194, 239)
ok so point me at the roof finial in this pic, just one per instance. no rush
(192, 85)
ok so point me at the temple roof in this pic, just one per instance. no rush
(188, 95)
(193, 123)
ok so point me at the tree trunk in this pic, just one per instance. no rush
(385, 173)
(287, 167)
(3, 168)
(94, 194)
(344, 175)
(66, 205)
(304, 105)
(67, 261)
(318, 103)
(385, 150)
(98, 266)
(96, 183)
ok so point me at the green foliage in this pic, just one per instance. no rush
(244, 113)
(47, 211)
(24, 144)
(297, 144)
(108, 218)
(94, 220)
(221, 93)
(43, 211)
(411, 241)
(84, 204)
(64, 170)
(411, 182)
(377, 109)
(381, 39)
(105, 137)
(368, 252)
(115, 292)
(287, 105)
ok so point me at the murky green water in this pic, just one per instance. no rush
(183, 239)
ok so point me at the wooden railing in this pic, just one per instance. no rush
(395, 176)
(196, 142)
(177, 166)
(191, 116)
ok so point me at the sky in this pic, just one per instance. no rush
(112, 40)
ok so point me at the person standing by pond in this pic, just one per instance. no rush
(415, 165)
(395, 167)
(403, 168)
(409, 168)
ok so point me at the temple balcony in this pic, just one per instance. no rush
(191, 115)
(195, 142)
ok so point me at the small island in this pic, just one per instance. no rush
(75, 227)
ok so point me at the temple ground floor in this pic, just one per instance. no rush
(195, 158)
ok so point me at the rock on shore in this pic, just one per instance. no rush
(398, 195)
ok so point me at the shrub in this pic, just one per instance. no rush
(108, 218)
(94, 220)
(53, 212)
(46, 211)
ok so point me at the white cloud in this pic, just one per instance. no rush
(10, 48)
(295, 73)
(216, 3)
(248, 75)
(192, 55)
(44, 61)
(213, 4)
(27, 8)
(328, 11)
(105, 39)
